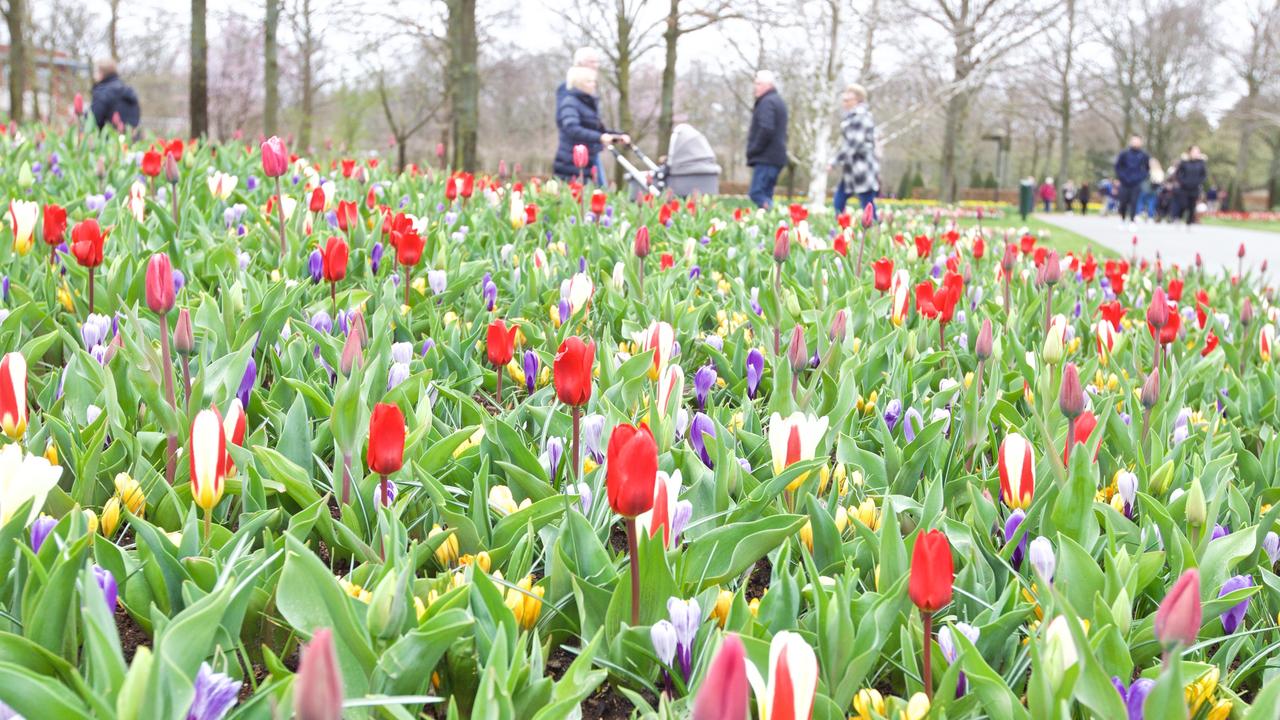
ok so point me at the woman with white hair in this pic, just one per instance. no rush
(579, 123)
(859, 168)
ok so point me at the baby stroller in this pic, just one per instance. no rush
(690, 166)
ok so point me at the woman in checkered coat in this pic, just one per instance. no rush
(856, 160)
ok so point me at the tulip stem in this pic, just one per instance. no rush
(333, 297)
(1048, 307)
(862, 241)
(633, 549)
(172, 450)
(927, 660)
(186, 382)
(208, 523)
(174, 195)
(978, 379)
(498, 391)
(91, 274)
(1071, 441)
(280, 208)
(777, 301)
(346, 478)
(382, 485)
(406, 286)
(576, 414)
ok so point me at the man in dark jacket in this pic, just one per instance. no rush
(766, 140)
(1191, 174)
(113, 101)
(1133, 166)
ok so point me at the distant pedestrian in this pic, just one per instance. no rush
(1191, 175)
(1132, 170)
(579, 123)
(589, 58)
(1068, 195)
(1106, 190)
(1211, 198)
(856, 161)
(1150, 190)
(766, 139)
(113, 102)
(1048, 194)
(1085, 192)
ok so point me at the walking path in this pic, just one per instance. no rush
(1175, 243)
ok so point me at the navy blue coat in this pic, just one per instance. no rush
(111, 96)
(1192, 174)
(1133, 166)
(767, 138)
(579, 123)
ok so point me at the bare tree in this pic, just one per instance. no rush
(310, 36)
(234, 75)
(682, 21)
(464, 82)
(113, 29)
(270, 68)
(1256, 64)
(420, 115)
(15, 15)
(199, 93)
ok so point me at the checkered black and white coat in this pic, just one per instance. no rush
(859, 168)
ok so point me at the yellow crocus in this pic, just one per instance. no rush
(110, 517)
(447, 552)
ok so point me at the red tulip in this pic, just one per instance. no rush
(234, 426)
(152, 163)
(923, 245)
(1210, 343)
(723, 695)
(406, 240)
(1175, 289)
(318, 695)
(86, 243)
(501, 343)
(386, 439)
(883, 269)
(1158, 310)
(632, 469)
(208, 457)
(841, 245)
(979, 249)
(317, 200)
(597, 202)
(641, 245)
(572, 367)
(174, 148)
(1113, 312)
(932, 573)
(160, 289)
(530, 214)
(334, 257)
(666, 261)
(924, 299)
(580, 156)
(77, 105)
(1178, 617)
(348, 214)
(275, 159)
(348, 167)
(55, 224)
(1084, 428)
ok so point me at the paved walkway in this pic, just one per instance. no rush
(1216, 245)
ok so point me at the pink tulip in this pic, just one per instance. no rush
(723, 695)
(1178, 617)
(275, 159)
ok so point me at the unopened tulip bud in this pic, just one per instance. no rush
(1246, 312)
(1240, 251)
(1178, 617)
(781, 245)
(1071, 395)
(839, 325)
(388, 608)
(1158, 310)
(641, 246)
(1010, 256)
(1197, 509)
(798, 351)
(352, 353)
(982, 348)
(1151, 389)
(318, 686)
(171, 168)
(1052, 268)
(183, 339)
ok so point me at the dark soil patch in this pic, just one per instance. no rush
(247, 688)
(607, 703)
(322, 551)
(131, 634)
(758, 581)
(558, 662)
(618, 539)
(486, 402)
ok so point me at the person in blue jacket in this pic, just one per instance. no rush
(766, 139)
(579, 123)
(587, 57)
(113, 101)
(1133, 167)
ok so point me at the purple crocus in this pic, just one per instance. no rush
(251, 182)
(911, 424)
(699, 429)
(716, 342)
(216, 694)
(1135, 695)
(315, 265)
(1234, 615)
(592, 431)
(40, 530)
(550, 457)
(179, 281)
(947, 643)
(490, 295)
(427, 345)
(1219, 531)
(375, 257)
(438, 281)
(398, 373)
(892, 413)
(246, 382)
(107, 583)
(1010, 531)
(703, 380)
(565, 310)
(686, 616)
(695, 272)
(1271, 546)
(755, 370)
(321, 322)
(531, 365)
(95, 330)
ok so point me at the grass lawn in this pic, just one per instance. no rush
(1266, 225)
(1063, 240)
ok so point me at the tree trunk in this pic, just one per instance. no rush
(464, 82)
(308, 77)
(623, 77)
(199, 70)
(666, 115)
(865, 75)
(824, 117)
(1273, 172)
(1241, 183)
(113, 30)
(271, 69)
(952, 126)
(1064, 102)
(17, 58)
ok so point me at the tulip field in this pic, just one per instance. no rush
(293, 436)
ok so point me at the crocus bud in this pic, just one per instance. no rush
(641, 246)
(1042, 557)
(1151, 389)
(1178, 617)
(781, 245)
(1196, 509)
(723, 695)
(798, 351)
(318, 687)
(1246, 312)
(1071, 395)
(1158, 310)
(982, 348)
(183, 339)
(171, 168)
(160, 288)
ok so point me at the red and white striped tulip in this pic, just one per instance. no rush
(900, 291)
(1266, 339)
(13, 395)
(794, 438)
(233, 429)
(208, 452)
(789, 690)
(660, 337)
(1106, 335)
(1017, 465)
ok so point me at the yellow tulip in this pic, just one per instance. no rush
(51, 453)
(724, 603)
(110, 517)
(91, 517)
(917, 707)
(525, 602)
(447, 552)
(867, 514)
(867, 702)
(130, 494)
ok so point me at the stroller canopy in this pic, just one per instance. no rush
(690, 153)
